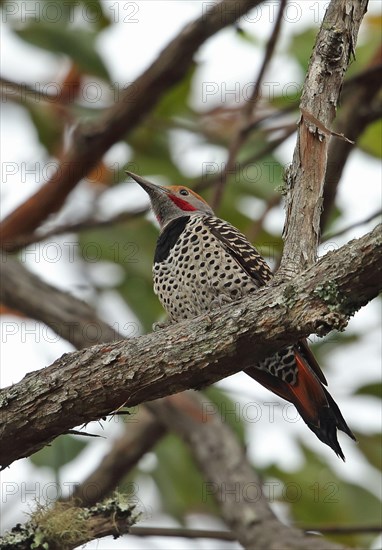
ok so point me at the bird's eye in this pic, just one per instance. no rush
(183, 192)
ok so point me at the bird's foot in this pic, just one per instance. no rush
(161, 325)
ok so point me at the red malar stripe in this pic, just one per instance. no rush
(184, 205)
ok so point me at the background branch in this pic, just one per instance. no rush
(72, 227)
(141, 434)
(91, 141)
(246, 112)
(230, 478)
(356, 112)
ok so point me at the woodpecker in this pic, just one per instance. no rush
(201, 263)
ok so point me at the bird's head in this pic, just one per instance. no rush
(172, 202)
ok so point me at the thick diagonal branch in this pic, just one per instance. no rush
(335, 44)
(191, 354)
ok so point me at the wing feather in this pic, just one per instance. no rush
(240, 249)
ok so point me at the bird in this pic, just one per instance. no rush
(201, 263)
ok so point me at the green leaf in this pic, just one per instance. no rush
(374, 389)
(175, 101)
(78, 44)
(182, 487)
(48, 125)
(317, 496)
(370, 446)
(245, 36)
(92, 12)
(152, 153)
(301, 47)
(62, 450)
(371, 140)
(290, 98)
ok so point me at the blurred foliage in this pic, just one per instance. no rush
(371, 140)
(317, 496)
(60, 452)
(314, 494)
(374, 389)
(77, 44)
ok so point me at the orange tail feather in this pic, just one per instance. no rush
(314, 403)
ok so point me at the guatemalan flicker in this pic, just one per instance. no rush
(201, 263)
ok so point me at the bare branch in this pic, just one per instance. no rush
(341, 232)
(191, 354)
(332, 52)
(344, 529)
(182, 532)
(204, 183)
(229, 535)
(356, 113)
(248, 109)
(71, 318)
(91, 141)
(74, 227)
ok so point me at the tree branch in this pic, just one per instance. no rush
(334, 47)
(143, 432)
(73, 227)
(191, 354)
(91, 141)
(353, 119)
(69, 317)
(230, 478)
(65, 527)
(248, 109)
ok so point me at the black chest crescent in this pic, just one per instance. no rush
(169, 237)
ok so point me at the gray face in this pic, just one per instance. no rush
(169, 203)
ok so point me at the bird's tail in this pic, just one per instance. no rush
(314, 403)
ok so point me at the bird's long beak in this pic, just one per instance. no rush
(152, 189)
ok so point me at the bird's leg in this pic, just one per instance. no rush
(162, 324)
(219, 301)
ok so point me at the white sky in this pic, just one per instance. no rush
(140, 31)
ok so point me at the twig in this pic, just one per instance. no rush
(247, 110)
(359, 108)
(89, 223)
(343, 529)
(144, 431)
(351, 226)
(266, 150)
(182, 532)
